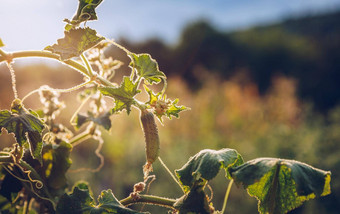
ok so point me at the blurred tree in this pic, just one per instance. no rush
(306, 48)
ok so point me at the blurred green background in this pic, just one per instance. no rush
(268, 91)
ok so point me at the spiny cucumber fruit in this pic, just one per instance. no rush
(151, 136)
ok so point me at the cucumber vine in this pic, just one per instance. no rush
(33, 171)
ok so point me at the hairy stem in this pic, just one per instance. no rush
(14, 82)
(74, 64)
(149, 199)
(170, 173)
(6, 159)
(79, 138)
(88, 66)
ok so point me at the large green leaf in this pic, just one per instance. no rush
(56, 162)
(25, 125)
(102, 120)
(75, 42)
(86, 11)
(206, 164)
(80, 201)
(146, 67)
(123, 94)
(281, 185)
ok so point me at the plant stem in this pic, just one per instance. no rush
(46, 54)
(74, 64)
(36, 177)
(77, 139)
(3, 53)
(172, 175)
(149, 199)
(88, 66)
(227, 195)
(25, 209)
(6, 159)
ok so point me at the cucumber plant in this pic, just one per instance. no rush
(33, 170)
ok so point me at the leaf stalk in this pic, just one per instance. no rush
(227, 196)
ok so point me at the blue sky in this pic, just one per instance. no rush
(34, 24)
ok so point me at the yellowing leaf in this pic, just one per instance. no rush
(56, 163)
(281, 185)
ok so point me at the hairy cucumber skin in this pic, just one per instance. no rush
(151, 136)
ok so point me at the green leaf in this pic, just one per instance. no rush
(10, 186)
(25, 125)
(118, 107)
(195, 201)
(206, 164)
(174, 110)
(281, 185)
(146, 67)
(163, 106)
(102, 120)
(75, 42)
(1, 43)
(123, 94)
(86, 11)
(56, 162)
(80, 201)
(109, 203)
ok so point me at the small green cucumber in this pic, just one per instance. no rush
(151, 136)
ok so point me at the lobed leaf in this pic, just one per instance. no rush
(281, 185)
(206, 164)
(75, 42)
(80, 201)
(102, 120)
(146, 67)
(124, 94)
(25, 125)
(118, 107)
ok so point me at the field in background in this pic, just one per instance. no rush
(224, 114)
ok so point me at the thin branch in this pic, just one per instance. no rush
(6, 159)
(14, 82)
(170, 173)
(3, 53)
(227, 196)
(87, 63)
(72, 63)
(149, 199)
